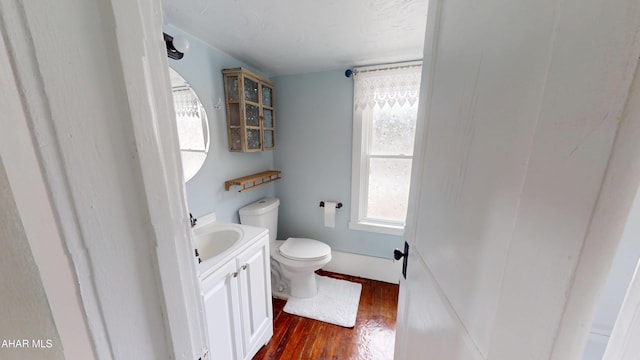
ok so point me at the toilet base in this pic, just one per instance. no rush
(285, 283)
(294, 278)
(303, 285)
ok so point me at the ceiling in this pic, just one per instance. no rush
(302, 36)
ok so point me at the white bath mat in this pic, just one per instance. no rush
(336, 302)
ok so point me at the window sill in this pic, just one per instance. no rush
(380, 228)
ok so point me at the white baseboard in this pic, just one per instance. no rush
(367, 267)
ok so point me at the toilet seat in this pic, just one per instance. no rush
(304, 249)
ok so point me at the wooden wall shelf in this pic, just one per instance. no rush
(252, 181)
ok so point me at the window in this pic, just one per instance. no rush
(384, 123)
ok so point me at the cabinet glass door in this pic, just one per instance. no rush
(267, 96)
(236, 139)
(253, 139)
(252, 115)
(268, 139)
(268, 118)
(250, 90)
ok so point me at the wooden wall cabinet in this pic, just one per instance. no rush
(251, 118)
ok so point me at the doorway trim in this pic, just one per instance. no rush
(142, 69)
(146, 71)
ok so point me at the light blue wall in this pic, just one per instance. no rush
(314, 122)
(313, 150)
(201, 67)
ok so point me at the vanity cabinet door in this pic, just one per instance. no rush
(255, 292)
(222, 313)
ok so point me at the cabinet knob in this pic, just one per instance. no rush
(244, 267)
(234, 274)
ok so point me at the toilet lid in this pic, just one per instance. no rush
(304, 249)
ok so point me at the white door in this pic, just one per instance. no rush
(517, 121)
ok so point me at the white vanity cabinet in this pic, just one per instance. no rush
(237, 303)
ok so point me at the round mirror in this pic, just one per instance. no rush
(193, 127)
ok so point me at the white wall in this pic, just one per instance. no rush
(624, 344)
(621, 272)
(520, 122)
(615, 288)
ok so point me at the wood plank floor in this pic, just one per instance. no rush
(372, 338)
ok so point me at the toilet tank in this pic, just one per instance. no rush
(262, 213)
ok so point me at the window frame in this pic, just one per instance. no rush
(361, 155)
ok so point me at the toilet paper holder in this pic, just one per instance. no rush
(338, 205)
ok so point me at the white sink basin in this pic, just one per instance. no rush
(216, 241)
(219, 241)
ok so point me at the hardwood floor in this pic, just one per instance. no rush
(372, 338)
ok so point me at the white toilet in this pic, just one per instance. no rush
(293, 261)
